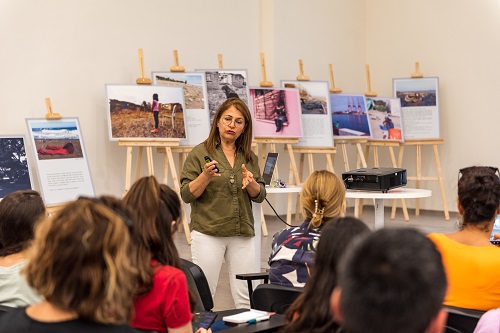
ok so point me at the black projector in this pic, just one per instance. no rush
(374, 179)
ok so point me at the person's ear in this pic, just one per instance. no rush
(438, 323)
(173, 227)
(460, 208)
(335, 305)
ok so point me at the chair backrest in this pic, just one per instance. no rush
(5, 309)
(274, 298)
(197, 282)
(462, 320)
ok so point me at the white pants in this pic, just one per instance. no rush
(239, 254)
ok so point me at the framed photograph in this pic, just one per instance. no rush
(196, 101)
(349, 117)
(61, 161)
(143, 112)
(385, 118)
(419, 106)
(223, 84)
(15, 171)
(276, 112)
(315, 112)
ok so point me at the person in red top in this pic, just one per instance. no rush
(67, 149)
(163, 303)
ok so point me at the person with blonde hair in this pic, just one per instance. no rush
(80, 263)
(294, 249)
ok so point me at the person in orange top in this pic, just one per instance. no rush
(470, 260)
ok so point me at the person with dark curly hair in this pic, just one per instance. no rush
(470, 260)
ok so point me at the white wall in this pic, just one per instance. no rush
(458, 41)
(68, 49)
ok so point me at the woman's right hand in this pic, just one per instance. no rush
(210, 170)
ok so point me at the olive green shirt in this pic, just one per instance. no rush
(223, 209)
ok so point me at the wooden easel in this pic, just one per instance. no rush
(176, 67)
(293, 174)
(219, 61)
(369, 92)
(419, 143)
(357, 141)
(390, 145)
(166, 145)
(333, 89)
(264, 82)
(142, 79)
(51, 209)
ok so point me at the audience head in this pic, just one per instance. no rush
(313, 304)
(80, 260)
(392, 280)
(159, 212)
(478, 194)
(322, 197)
(18, 213)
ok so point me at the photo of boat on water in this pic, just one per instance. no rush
(349, 116)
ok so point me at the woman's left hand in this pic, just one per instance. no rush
(247, 177)
(203, 330)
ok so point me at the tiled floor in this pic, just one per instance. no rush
(427, 221)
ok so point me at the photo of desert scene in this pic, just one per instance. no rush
(385, 118)
(416, 92)
(310, 104)
(224, 84)
(131, 114)
(14, 172)
(56, 140)
(349, 117)
(192, 84)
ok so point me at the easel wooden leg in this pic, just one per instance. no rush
(175, 179)
(344, 156)
(165, 169)
(441, 183)
(419, 176)
(329, 162)
(138, 164)
(128, 170)
(361, 156)
(149, 154)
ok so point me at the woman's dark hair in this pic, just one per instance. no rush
(18, 213)
(155, 97)
(244, 141)
(311, 311)
(479, 194)
(157, 206)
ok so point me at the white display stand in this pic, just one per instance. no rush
(397, 193)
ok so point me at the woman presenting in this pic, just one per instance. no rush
(220, 192)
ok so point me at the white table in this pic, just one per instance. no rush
(397, 193)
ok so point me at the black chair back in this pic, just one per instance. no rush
(462, 320)
(274, 298)
(197, 282)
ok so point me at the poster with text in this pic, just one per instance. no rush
(349, 117)
(223, 84)
(419, 106)
(385, 118)
(196, 102)
(315, 108)
(15, 171)
(276, 112)
(144, 112)
(62, 166)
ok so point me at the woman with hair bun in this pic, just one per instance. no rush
(294, 249)
(470, 260)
